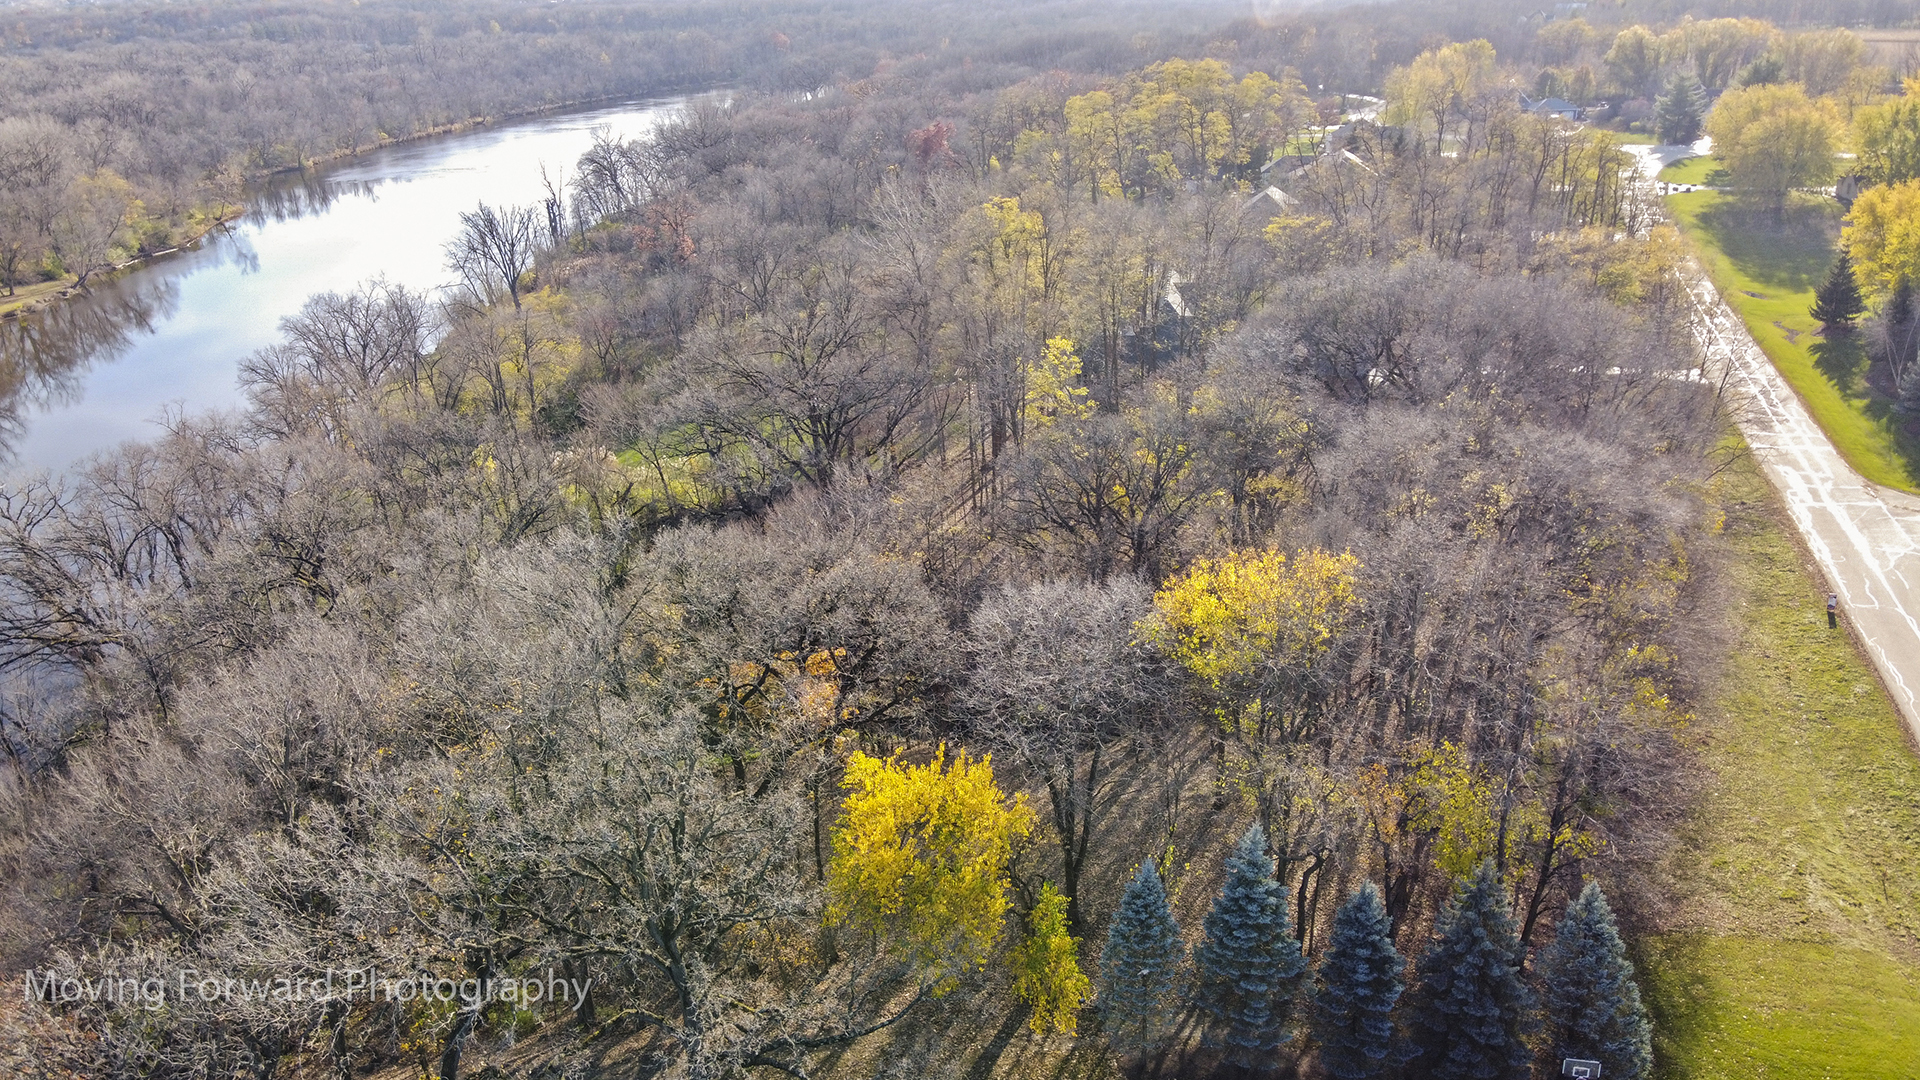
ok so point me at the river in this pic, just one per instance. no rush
(87, 374)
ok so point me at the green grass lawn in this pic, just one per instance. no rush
(1767, 265)
(1797, 950)
(1695, 170)
(1756, 1007)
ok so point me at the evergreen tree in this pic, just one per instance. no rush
(1592, 1002)
(1359, 983)
(1837, 303)
(1679, 113)
(1250, 969)
(1469, 1010)
(1765, 71)
(1138, 965)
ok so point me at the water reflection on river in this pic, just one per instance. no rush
(90, 373)
(42, 359)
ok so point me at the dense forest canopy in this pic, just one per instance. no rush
(126, 126)
(982, 493)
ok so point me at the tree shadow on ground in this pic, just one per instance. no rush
(1848, 364)
(1843, 360)
(1790, 249)
(1905, 429)
(989, 1055)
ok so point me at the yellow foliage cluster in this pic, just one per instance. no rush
(1461, 806)
(1887, 137)
(1438, 83)
(1882, 236)
(1716, 50)
(1053, 392)
(1047, 967)
(1457, 803)
(1629, 270)
(1774, 138)
(920, 858)
(1226, 617)
(1180, 119)
(1018, 233)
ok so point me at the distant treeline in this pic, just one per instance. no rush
(164, 111)
(124, 126)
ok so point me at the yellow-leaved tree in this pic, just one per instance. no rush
(1775, 139)
(1046, 967)
(1887, 137)
(920, 859)
(1053, 387)
(1459, 805)
(1717, 49)
(1639, 272)
(1179, 121)
(1251, 627)
(1233, 620)
(1882, 236)
(1018, 247)
(1437, 91)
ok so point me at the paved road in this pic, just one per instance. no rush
(1866, 538)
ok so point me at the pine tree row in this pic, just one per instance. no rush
(1470, 1013)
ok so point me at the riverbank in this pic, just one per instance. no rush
(459, 127)
(178, 330)
(30, 298)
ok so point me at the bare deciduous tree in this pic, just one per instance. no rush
(340, 351)
(1060, 682)
(493, 250)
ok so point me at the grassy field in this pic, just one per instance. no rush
(1797, 950)
(1767, 265)
(1695, 170)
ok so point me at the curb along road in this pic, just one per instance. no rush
(1865, 537)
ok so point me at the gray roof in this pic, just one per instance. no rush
(1270, 202)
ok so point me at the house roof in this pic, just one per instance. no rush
(1271, 201)
(1288, 164)
(1172, 296)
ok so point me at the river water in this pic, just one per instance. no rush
(90, 373)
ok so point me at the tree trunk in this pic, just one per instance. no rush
(463, 1026)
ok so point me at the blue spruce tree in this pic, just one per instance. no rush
(1250, 969)
(1592, 1002)
(1138, 966)
(1469, 1010)
(1359, 982)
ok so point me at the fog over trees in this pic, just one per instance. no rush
(1309, 502)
